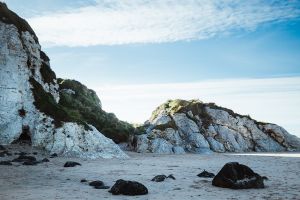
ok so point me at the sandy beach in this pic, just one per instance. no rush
(52, 181)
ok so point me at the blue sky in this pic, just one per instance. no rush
(148, 48)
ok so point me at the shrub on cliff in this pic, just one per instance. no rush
(85, 105)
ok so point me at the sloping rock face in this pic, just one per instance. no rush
(180, 126)
(85, 105)
(29, 98)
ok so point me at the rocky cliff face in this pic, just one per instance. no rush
(85, 106)
(180, 126)
(29, 98)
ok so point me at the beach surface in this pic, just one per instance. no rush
(50, 180)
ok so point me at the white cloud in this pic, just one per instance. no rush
(273, 100)
(112, 22)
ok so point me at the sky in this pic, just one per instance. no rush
(136, 54)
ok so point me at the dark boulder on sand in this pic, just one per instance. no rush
(130, 188)
(237, 176)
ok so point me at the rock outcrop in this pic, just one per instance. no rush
(180, 126)
(237, 176)
(29, 98)
(85, 105)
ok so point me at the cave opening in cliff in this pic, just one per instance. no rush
(25, 137)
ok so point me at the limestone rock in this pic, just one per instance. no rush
(29, 98)
(180, 126)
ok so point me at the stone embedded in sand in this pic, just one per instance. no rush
(5, 163)
(103, 187)
(21, 153)
(5, 153)
(159, 178)
(2, 148)
(237, 176)
(96, 183)
(23, 158)
(206, 174)
(31, 163)
(171, 176)
(53, 155)
(71, 164)
(45, 160)
(130, 188)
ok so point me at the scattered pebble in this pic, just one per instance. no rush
(31, 163)
(161, 178)
(171, 176)
(5, 153)
(102, 187)
(206, 174)
(53, 155)
(45, 160)
(2, 148)
(5, 163)
(23, 158)
(71, 164)
(96, 183)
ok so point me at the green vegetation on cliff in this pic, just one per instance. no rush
(9, 17)
(80, 105)
(45, 103)
(182, 106)
(84, 104)
(195, 106)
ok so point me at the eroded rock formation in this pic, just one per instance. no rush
(29, 98)
(180, 126)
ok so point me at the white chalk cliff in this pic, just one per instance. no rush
(29, 98)
(180, 126)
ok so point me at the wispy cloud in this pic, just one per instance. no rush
(273, 100)
(111, 22)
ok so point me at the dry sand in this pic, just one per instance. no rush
(53, 181)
